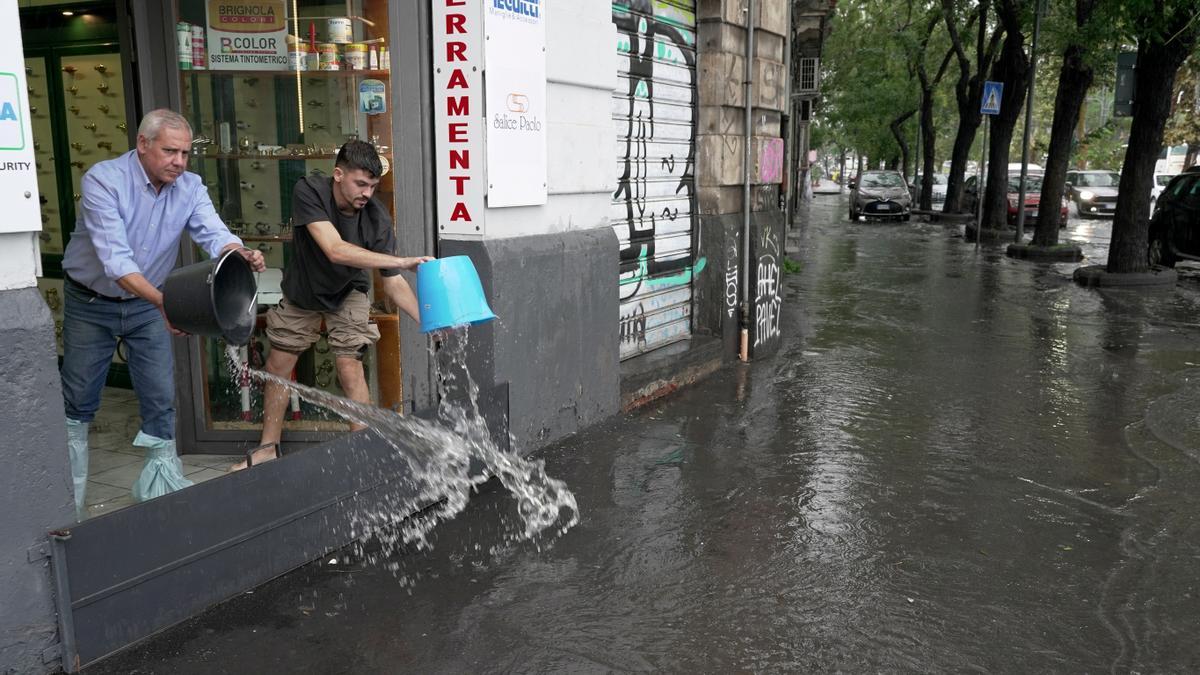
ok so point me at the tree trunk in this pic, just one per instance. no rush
(842, 168)
(967, 92)
(898, 133)
(1012, 68)
(1074, 79)
(968, 124)
(1157, 64)
(928, 138)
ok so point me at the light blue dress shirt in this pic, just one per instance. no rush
(124, 226)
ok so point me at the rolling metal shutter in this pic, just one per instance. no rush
(653, 214)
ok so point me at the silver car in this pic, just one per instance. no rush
(880, 194)
(1094, 192)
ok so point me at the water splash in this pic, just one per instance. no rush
(441, 456)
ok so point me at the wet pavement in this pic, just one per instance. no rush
(956, 462)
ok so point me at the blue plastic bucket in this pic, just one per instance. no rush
(449, 294)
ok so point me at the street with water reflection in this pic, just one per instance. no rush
(956, 462)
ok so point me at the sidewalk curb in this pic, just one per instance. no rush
(650, 377)
(1068, 252)
(1094, 276)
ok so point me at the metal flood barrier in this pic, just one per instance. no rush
(123, 576)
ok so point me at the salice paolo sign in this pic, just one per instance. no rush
(515, 62)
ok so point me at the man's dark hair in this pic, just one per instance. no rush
(359, 155)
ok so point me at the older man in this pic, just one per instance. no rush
(133, 212)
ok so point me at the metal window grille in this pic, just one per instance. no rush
(809, 74)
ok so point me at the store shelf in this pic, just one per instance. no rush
(377, 74)
(329, 155)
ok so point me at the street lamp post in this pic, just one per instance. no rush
(1037, 26)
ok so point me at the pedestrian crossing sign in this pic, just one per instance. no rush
(992, 93)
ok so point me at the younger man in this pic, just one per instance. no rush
(339, 230)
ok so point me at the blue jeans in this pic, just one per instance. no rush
(91, 328)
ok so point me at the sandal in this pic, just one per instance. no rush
(251, 451)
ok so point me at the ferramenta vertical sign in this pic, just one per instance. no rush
(458, 115)
(515, 63)
(18, 173)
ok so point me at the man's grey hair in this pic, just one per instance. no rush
(155, 120)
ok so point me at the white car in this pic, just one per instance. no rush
(1160, 182)
(940, 181)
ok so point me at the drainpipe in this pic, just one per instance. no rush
(745, 308)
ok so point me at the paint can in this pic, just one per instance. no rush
(198, 38)
(183, 46)
(298, 56)
(356, 56)
(329, 56)
(339, 30)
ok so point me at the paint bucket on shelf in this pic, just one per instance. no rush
(298, 56)
(329, 55)
(356, 56)
(449, 294)
(339, 29)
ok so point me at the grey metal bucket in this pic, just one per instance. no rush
(216, 298)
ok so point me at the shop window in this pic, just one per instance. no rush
(272, 89)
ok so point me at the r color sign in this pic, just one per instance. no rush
(18, 172)
(247, 35)
(457, 113)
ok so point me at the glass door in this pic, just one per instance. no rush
(271, 100)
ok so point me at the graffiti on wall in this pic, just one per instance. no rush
(731, 281)
(770, 161)
(767, 299)
(654, 113)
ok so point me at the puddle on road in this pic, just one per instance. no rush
(444, 457)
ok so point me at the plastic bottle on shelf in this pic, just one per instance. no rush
(373, 59)
(385, 57)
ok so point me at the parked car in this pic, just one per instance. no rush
(1094, 192)
(1160, 182)
(880, 194)
(940, 181)
(1033, 197)
(1175, 227)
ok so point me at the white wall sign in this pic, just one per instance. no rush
(515, 63)
(247, 35)
(457, 117)
(18, 173)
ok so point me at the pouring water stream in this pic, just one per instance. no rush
(439, 455)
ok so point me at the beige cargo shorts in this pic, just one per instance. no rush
(350, 330)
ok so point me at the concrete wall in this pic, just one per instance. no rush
(18, 260)
(555, 341)
(35, 485)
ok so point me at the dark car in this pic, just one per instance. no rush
(1033, 197)
(880, 194)
(1175, 227)
(1094, 192)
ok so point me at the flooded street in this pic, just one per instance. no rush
(956, 462)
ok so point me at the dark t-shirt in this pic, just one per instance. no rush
(310, 280)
